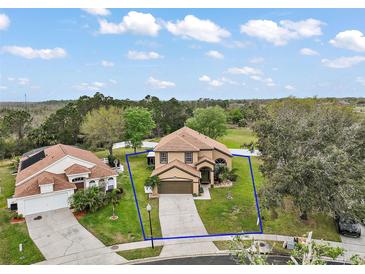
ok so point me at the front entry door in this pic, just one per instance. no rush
(205, 173)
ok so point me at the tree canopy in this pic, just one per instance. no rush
(211, 121)
(313, 153)
(104, 127)
(138, 125)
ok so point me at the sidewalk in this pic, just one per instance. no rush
(79, 258)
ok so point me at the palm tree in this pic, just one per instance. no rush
(114, 199)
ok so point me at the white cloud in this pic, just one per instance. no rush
(308, 52)
(106, 64)
(257, 60)
(3, 87)
(267, 81)
(214, 54)
(289, 87)
(204, 78)
(280, 34)
(349, 39)
(159, 84)
(134, 22)
(97, 11)
(237, 44)
(215, 83)
(23, 81)
(195, 28)
(361, 80)
(114, 82)
(4, 21)
(244, 70)
(141, 55)
(92, 87)
(343, 62)
(30, 53)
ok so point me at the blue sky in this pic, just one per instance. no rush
(181, 53)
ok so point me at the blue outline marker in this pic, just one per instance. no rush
(195, 236)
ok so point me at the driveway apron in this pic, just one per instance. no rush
(57, 233)
(179, 217)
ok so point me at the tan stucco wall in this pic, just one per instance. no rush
(206, 153)
(217, 154)
(171, 156)
(196, 188)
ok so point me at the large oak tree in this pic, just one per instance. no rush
(315, 154)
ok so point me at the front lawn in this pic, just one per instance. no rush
(224, 215)
(11, 235)
(127, 227)
(141, 253)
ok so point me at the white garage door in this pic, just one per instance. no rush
(46, 203)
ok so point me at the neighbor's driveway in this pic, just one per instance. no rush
(58, 234)
(179, 217)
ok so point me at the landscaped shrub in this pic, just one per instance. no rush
(222, 173)
(152, 181)
(201, 189)
(90, 199)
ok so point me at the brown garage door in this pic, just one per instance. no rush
(175, 187)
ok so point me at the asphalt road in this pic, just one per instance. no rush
(216, 260)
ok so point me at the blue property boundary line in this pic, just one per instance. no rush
(194, 236)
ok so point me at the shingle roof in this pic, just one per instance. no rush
(100, 171)
(178, 164)
(55, 153)
(76, 169)
(32, 186)
(187, 139)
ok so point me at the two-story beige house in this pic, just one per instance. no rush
(185, 159)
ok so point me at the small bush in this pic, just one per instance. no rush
(201, 189)
(152, 181)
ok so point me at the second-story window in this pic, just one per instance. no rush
(188, 157)
(163, 158)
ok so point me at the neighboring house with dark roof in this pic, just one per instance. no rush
(185, 159)
(48, 177)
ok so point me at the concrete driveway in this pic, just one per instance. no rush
(356, 245)
(58, 234)
(179, 217)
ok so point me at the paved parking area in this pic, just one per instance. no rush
(179, 217)
(58, 234)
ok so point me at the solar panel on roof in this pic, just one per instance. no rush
(32, 160)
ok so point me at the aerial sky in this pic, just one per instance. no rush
(53, 54)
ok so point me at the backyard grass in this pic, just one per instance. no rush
(141, 253)
(127, 227)
(11, 235)
(235, 137)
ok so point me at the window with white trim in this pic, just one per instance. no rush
(163, 158)
(78, 179)
(188, 157)
(92, 183)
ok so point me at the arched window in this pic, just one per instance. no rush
(92, 183)
(78, 179)
(110, 183)
(220, 161)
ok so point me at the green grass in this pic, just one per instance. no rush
(221, 215)
(287, 221)
(141, 253)
(127, 228)
(11, 235)
(235, 137)
(277, 246)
